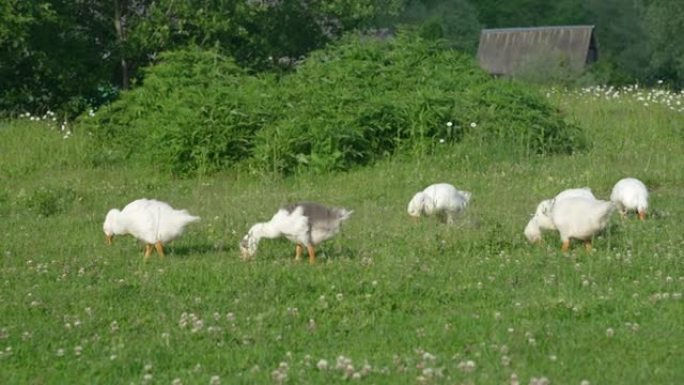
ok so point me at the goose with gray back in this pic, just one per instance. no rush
(307, 224)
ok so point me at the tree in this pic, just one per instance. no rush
(453, 20)
(665, 28)
(71, 52)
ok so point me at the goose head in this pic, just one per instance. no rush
(249, 243)
(415, 206)
(466, 195)
(112, 225)
(532, 231)
(540, 220)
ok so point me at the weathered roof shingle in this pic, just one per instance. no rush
(508, 51)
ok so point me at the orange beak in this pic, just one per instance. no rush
(109, 239)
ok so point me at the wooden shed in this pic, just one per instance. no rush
(510, 51)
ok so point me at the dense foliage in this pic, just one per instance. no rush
(74, 53)
(190, 114)
(78, 53)
(350, 104)
(639, 40)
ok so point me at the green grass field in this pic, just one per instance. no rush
(390, 301)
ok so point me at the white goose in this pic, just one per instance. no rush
(307, 224)
(440, 199)
(630, 194)
(542, 217)
(580, 218)
(151, 221)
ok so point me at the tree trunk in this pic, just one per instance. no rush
(120, 40)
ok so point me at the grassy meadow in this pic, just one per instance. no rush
(390, 301)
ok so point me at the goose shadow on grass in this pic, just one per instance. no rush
(610, 237)
(186, 250)
(335, 252)
(324, 253)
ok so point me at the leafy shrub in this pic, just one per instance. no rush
(365, 98)
(189, 116)
(350, 104)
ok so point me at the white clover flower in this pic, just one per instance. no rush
(473, 124)
(539, 381)
(366, 369)
(322, 364)
(466, 366)
(197, 325)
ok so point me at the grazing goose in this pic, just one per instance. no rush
(630, 194)
(440, 199)
(151, 221)
(580, 218)
(542, 217)
(307, 224)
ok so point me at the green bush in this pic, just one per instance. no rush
(365, 98)
(189, 115)
(355, 102)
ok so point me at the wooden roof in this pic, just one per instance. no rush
(508, 51)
